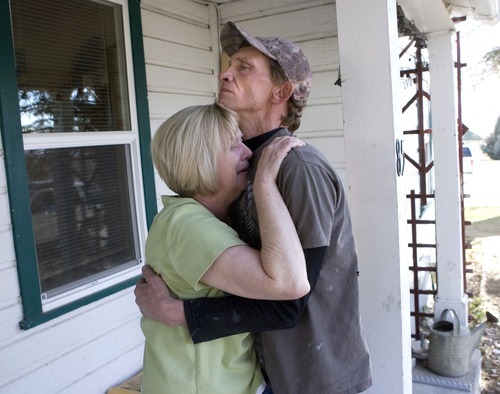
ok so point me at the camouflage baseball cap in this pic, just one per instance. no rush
(288, 55)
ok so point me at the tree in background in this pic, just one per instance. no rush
(492, 145)
(492, 59)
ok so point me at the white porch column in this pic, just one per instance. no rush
(368, 44)
(449, 252)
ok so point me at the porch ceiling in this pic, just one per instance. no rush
(435, 15)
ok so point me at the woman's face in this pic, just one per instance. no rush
(233, 168)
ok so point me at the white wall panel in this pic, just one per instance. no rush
(179, 81)
(179, 9)
(11, 313)
(9, 291)
(175, 55)
(163, 105)
(88, 339)
(322, 53)
(254, 9)
(174, 28)
(326, 117)
(4, 206)
(322, 18)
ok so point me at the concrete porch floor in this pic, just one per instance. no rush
(426, 382)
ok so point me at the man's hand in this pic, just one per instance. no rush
(153, 298)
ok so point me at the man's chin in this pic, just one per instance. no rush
(224, 100)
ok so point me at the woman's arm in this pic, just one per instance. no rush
(212, 318)
(278, 271)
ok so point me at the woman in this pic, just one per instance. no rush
(199, 154)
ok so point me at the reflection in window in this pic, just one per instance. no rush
(71, 76)
(83, 219)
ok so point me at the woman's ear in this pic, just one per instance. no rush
(283, 92)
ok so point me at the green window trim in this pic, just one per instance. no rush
(141, 97)
(15, 168)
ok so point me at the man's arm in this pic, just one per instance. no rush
(212, 318)
(153, 298)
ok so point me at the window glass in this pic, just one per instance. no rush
(70, 66)
(80, 144)
(83, 219)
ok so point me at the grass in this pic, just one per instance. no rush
(483, 234)
(485, 222)
(476, 214)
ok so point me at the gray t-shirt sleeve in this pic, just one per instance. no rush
(311, 197)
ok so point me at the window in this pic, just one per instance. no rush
(79, 128)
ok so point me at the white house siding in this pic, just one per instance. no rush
(313, 26)
(182, 54)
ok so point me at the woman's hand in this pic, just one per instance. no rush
(278, 272)
(273, 155)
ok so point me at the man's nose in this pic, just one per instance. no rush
(225, 75)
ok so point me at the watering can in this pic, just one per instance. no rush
(451, 345)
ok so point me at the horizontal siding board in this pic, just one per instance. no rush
(85, 360)
(180, 91)
(320, 118)
(332, 147)
(10, 333)
(36, 348)
(180, 9)
(323, 54)
(3, 179)
(324, 90)
(163, 189)
(177, 56)
(341, 171)
(164, 105)
(176, 31)
(7, 245)
(9, 290)
(4, 208)
(245, 10)
(179, 80)
(324, 18)
(111, 374)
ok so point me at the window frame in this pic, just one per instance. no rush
(15, 166)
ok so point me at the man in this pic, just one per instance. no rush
(314, 344)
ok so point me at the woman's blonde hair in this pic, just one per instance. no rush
(187, 146)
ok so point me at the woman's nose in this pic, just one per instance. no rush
(247, 152)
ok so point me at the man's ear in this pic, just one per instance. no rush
(283, 92)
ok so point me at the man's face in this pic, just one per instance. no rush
(246, 85)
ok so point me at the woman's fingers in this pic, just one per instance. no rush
(274, 154)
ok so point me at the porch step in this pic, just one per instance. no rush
(131, 386)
